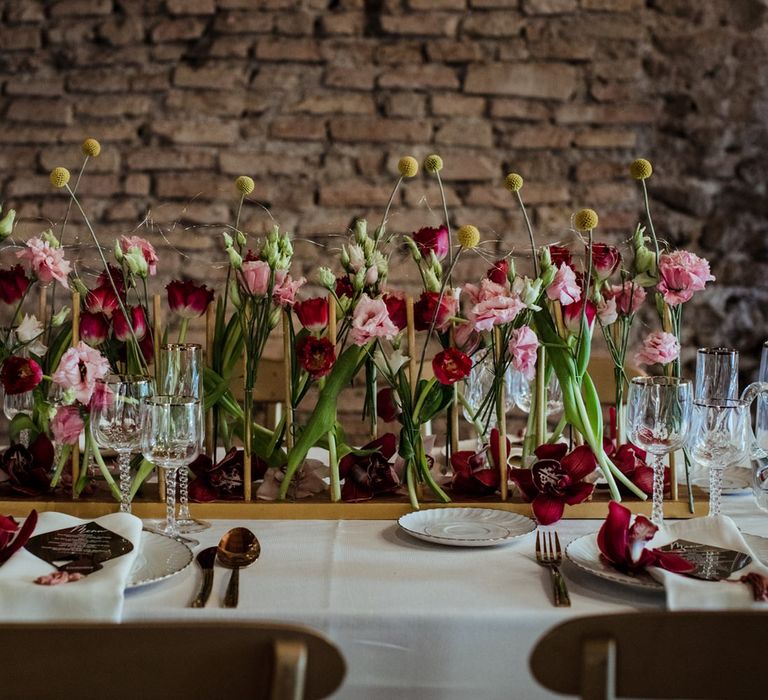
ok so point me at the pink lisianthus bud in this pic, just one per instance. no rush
(522, 347)
(67, 425)
(658, 347)
(255, 277)
(146, 248)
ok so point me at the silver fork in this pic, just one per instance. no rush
(549, 554)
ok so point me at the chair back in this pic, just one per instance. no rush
(248, 661)
(707, 655)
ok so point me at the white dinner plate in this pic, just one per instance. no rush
(466, 527)
(584, 553)
(159, 558)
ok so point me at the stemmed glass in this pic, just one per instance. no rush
(13, 404)
(115, 420)
(170, 438)
(524, 390)
(658, 419)
(760, 475)
(717, 374)
(180, 373)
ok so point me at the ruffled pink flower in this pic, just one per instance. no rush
(680, 275)
(487, 289)
(605, 260)
(146, 248)
(496, 311)
(564, 287)
(658, 347)
(255, 275)
(45, 262)
(629, 297)
(371, 320)
(522, 347)
(79, 369)
(607, 312)
(67, 425)
(285, 289)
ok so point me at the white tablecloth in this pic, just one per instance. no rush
(413, 620)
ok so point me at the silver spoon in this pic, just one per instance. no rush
(238, 548)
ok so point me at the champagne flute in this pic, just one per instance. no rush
(180, 372)
(658, 419)
(115, 420)
(170, 438)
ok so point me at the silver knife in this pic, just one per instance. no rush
(205, 559)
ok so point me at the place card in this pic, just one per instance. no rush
(712, 563)
(79, 549)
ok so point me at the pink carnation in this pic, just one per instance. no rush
(371, 320)
(67, 425)
(45, 262)
(255, 275)
(680, 275)
(487, 289)
(146, 248)
(523, 345)
(564, 287)
(658, 347)
(496, 311)
(79, 369)
(629, 297)
(284, 292)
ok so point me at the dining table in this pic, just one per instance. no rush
(413, 619)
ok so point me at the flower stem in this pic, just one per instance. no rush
(530, 234)
(183, 330)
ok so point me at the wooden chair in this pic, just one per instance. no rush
(655, 655)
(252, 661)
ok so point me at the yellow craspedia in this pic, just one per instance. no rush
(91, 147)
(59, 177)
(641, 169)
(468, 236)
(408, 166)
(433, 163)
(585, 220)
(513, 182)
(245, 184)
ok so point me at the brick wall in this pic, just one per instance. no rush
(317, 100)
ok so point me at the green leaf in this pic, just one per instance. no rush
(21, 421)
(438, 398)
(592, 404)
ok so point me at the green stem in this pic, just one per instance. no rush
(183, 330)
(103, 468)
(63, 457)
(421, 399)
(530, 234)
(412, 496)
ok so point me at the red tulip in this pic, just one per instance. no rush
(94, 328)
(13, 284)
(187, 299)
(313, 313)
(316, 355)
(605, 259)
(138, 320)
(102, 300)
(572, 315)
(450, 365)
(426, 309)
(20, 374)
(560, 254)
(499, 272)
(395, 302)
(434, 240)
(117, 277)
(386, 405)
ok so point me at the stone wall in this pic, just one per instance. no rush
(317, 99)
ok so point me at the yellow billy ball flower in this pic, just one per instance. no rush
(433, 163)
(641, 169)
(408, 166)
(585, 220)
(513, 182)
(468, 236)
(59, 177)
(91, 147)
(245, 184)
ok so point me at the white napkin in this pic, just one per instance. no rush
(97, 597)
(686, 593)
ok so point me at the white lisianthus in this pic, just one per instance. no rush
(607, 311)
(29, 332)
(356, 257)
(396, 360)
(528, 290)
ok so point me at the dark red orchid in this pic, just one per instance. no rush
(313, 313)
(138, 320)
(223, 480)
(623, 546)
(387, 407)
(631, 462)
(435, 240)
(102, 300)
(29, 468)
(396, 308)
(560, 254)
(605, 260)
(94, 328)
(476, 474)
(556, 479)
(499, 272)
(20, 374)
(8, 527)
(426, 309)
(316, 356)
(451, 365)
(187, 299)
(369, 472)
(13, 284)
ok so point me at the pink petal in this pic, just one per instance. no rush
(547, 510)
(578, 493)
(556, 451)
(524, 479)
(580, 463)
(642, 530)
(612, 537)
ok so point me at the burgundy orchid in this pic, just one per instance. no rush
(369, 472)
(556, 479)
(29, 468)
(8, 526)
(623, 546)
(223, 480)
(631, 461)
(476, 474)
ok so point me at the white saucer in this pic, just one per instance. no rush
(466, 527)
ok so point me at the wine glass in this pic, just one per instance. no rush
(760, 473)
(180, 372)
(24, 403)
(479, 407)
(720, 437)
(170, 439)
(524, 391)
(115, 420)
(717, 374)
(658, 419)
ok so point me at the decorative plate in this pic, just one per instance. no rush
(159, 558)
(584, 553)
(466, 527)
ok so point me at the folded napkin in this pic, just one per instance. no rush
(686, 593)
(97, 597)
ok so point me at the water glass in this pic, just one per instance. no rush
(115, 420)
(717, 374)
(480, 406)
(658, 420)
(524, 390)
(14, 404)
(170, 438)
